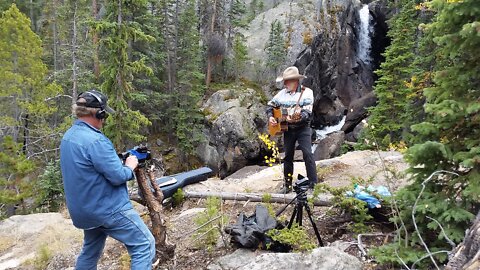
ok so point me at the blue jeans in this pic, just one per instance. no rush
(127, 227)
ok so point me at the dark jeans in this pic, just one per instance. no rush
(304, 137)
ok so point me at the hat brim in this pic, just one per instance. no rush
(109, 110)
(280, 78)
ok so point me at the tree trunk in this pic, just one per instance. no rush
(96, 61)
(153, 200)
(323, 200)
(55, 40)
(208, 78)
(466, 256)
(74, 56)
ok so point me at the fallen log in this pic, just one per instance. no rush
(321, 200)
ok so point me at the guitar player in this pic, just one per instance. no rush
(297, 101)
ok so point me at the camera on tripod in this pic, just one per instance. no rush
(140, 151)
(301, 185)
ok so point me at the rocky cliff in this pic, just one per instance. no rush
(337, 44)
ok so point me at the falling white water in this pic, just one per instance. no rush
(366, 28)
(322, 133)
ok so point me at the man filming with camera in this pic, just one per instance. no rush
(95, 187)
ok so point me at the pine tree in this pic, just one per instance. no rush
(275, 47)
(190, 89)
(117, 32)
(26, 103)
(15, 187)
(449, 156)
(237, 51)
(240, 55)
(391, 117)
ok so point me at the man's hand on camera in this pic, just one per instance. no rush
(131, 162)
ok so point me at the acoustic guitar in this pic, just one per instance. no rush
(280, 115)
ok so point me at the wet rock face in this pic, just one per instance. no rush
(335, 71)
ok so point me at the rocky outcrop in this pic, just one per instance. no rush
(335, 70)
(357, 111)
(337, 73)
(318, 259)
(23, 238)
(235, 118)
(330, 146)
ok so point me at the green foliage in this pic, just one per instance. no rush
(42, 258)
(275, 47)
(188, 120)
(49, 189)
(210, 223)
(14, 168)
(253, 9)
(236, 14)
(239, 58)
(355, 207)
(178, 197)
(25, 103)
(398, 104)
(266, 199)
(446, 152)
(296, 237)
(116, 34)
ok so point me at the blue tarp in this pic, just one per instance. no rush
(363, 194)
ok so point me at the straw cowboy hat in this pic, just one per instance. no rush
(290, 73)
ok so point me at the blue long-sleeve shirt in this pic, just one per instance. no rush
(94, 177)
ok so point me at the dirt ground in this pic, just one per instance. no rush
(384, 168)
(333, 228)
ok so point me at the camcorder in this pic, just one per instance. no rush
(301, 185)
(140, 151)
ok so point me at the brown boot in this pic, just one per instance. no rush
(287, 187)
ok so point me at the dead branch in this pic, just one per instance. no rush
(159, 229)
(415, 208)
(443, 231)
(360, 244)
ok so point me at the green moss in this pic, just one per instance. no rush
(296, 237)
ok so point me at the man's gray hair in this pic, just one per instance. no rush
(81, 111)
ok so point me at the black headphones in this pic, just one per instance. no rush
(100, 114)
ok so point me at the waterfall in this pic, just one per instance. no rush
(364, 40)
(322, 133)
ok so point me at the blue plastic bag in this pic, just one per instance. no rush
(371, 201)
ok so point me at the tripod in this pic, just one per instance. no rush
(297, 215)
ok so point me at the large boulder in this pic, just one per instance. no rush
(330, 146)
(24, 237)
(319, 259)
(299, 24)
(357, 111)
(235, 118)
